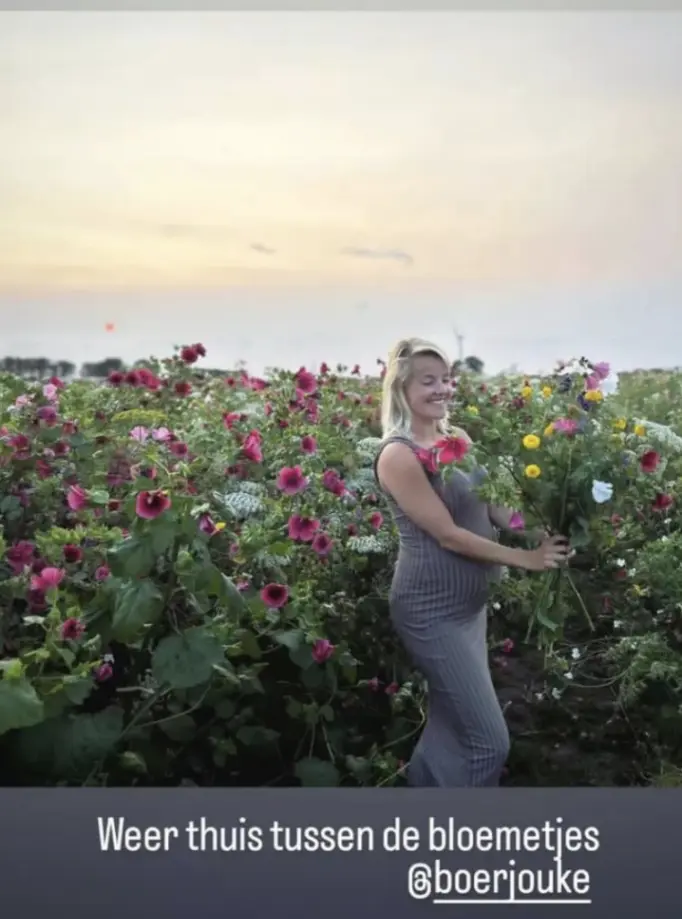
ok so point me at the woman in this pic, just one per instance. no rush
(448, 555)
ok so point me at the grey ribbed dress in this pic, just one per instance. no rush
(438, 608)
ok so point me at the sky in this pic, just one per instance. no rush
(296, 187)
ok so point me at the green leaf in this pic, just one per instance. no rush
(68, 747)
(133, 558)
(316, 773)
(132, 762)
(181, 729)
(291, 640)
(186, 660)
(255, 735)
(138, 605)
(77, 689)
(99, 496)
(280, 549)
(162, 535)
(249, 644)
(20, 705)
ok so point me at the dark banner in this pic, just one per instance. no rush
(338, 854)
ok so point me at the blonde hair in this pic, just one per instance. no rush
(396, 417)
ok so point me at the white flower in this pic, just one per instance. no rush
(575, 654)
(621, 562)
(556, 693)
(601, 491)
(569, 675)
(617, 624)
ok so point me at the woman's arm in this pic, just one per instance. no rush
(402, 475)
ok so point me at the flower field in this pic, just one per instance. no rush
(194, 574)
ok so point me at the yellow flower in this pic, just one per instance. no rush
(527, 392)
(620, 424)
(472, 410)
(594, 395)
(640, 430)
(219, 526)
(549, 429)
(546, 391)
(531, 441)
(532, 471)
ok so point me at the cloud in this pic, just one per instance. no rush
(264, 250)
(392, 255)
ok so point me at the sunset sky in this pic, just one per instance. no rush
(298, 187)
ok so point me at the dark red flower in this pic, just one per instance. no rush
(376, 520)
(151, 504)
(71, 629)
(183, 388)
(306, 382)
(189, 355)
(662, 502)
(72, 554)
(322, 544)
(308, 444)
(20, 555)
(649, 461)
(251, 448)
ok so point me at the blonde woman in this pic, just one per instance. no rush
(448, 555)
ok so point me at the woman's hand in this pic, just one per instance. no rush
(553, 552)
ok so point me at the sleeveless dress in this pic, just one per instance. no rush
(438, 608)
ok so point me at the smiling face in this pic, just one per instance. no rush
(429, 389)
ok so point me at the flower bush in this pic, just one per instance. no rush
(194, 575)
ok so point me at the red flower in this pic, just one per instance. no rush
(452, 449)
(182, 388)
(649, 461)
(116, 378)
(230, 419)
(291, 480)
(308, 445)
(302, 528)
(428, 460)
(322, 544)
(275, 595)
(322, 650)
(72, 554)
(333, 483)
(507, 646)
(199, 348)
(356, 371)
(178, 448)
(72, 629)
(392, 689)
(662, 502)
(151, 504)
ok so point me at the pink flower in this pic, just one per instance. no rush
(322, 544)
(21, 401)
(602, 370)
(376, 520)
(275, 595)
(76, 498)
(162, 435)
(72, 629)
(322, 650)
(207, 525)
(306, 382)
(291, 480)
(48, 414)
(104, 672)
(50, 392)
(302, 528)
(516, 521)
(251, 448)
(139, 433)
(565, 425)
(592, 382)
(102, 573)
(48, 579)
(392, 689)
(507, 646)
(452, 449)
(308, 445)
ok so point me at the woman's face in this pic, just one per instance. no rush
(429, 390)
